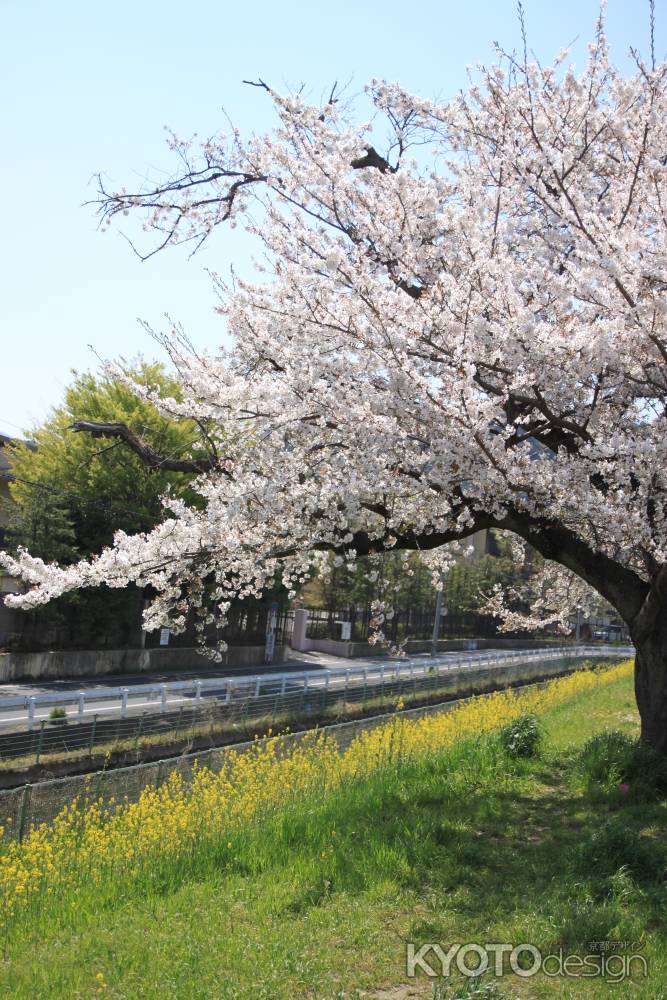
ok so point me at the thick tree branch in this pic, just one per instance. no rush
(621, 586)
(373, 159)
(146, 453)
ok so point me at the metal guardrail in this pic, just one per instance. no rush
(26, 805)
(139, 699)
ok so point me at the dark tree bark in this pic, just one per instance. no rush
(146, 453)
(651, 682)
(648, 629)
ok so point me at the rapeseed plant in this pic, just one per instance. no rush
(93, 843)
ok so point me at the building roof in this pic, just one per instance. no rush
(4, 462)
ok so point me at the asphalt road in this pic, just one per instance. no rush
(132, 695)
(327, 670)
(296, 662)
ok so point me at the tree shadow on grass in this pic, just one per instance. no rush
(547, 861)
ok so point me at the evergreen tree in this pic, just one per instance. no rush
(70, 494)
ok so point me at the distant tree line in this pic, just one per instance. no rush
(409, 582)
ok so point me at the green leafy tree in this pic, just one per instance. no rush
(71, 493)
(44, 525)
(407, 580)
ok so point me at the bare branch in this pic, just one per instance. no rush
(145, 452)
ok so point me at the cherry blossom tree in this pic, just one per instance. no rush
(458, 322)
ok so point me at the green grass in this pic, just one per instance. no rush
(319, 901)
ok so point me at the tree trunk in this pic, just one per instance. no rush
(651, 683)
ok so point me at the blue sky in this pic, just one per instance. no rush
(88, 87)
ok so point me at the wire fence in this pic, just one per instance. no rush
(27, 807)
(269, 700)
(412, 623)
(98, 707)
(417, 623)
(219, 721)
(203, 730)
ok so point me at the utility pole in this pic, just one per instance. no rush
(270, 641)
(438, 615)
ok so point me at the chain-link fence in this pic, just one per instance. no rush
(252, 705)
(21, 809)
(24, 807)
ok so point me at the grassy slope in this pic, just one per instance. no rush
(320, 903)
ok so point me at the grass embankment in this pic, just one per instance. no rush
(305, 876)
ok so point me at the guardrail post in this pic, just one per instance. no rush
(197, 693)
(123, 702)
(302, 694)
(347, 681)
(228, 693)
(163, 697)
(31, 711)
(283, 685)
(81, 704)
(258, 683)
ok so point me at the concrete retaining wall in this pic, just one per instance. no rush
(65, 664)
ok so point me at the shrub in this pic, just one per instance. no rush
(611, 758)
(57, 715)
(602, 758)
(522, 737)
